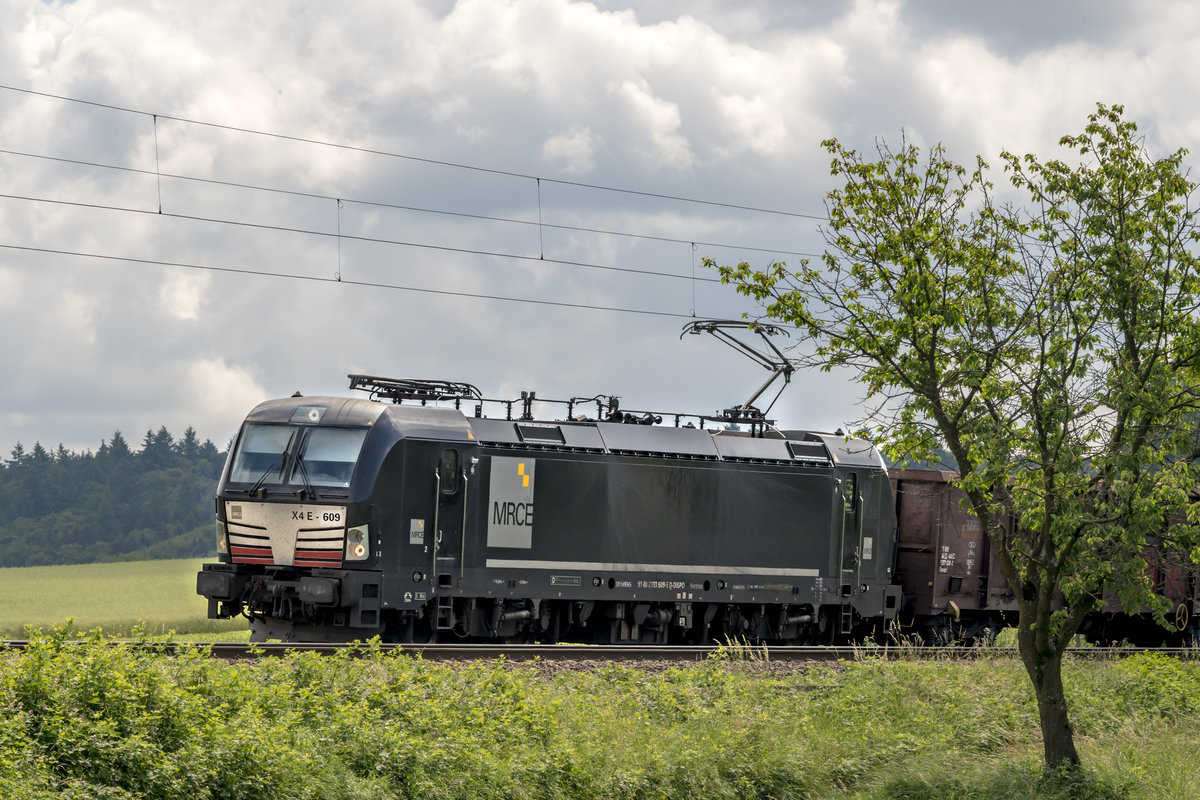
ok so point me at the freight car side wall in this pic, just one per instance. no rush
(943, 556)
(945, 568)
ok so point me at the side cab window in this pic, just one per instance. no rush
(448, 472)
(850, 495)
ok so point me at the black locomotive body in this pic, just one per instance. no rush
(343, 519)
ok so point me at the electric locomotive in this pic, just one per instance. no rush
(400, 515)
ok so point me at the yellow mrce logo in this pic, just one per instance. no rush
(521, 472)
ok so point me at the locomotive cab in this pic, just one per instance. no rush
(305, 540)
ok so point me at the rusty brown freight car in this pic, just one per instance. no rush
(954, 591)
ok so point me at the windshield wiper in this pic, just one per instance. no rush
(307, 483)
(278, 460)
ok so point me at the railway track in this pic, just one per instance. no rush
(629, 653)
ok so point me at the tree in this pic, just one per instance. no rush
(19, 456)
(158, 449)
(118, 448)
(1051, 347)
(65, 507)
(39, 456)
(188, 446)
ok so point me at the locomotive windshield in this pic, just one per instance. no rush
(295, 455)
(328, 455)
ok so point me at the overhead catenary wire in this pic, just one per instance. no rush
(157, 168)
(339, 236)
(320, 279)
(159, 175)
(420, 159)
(411, 208)
(339, 240)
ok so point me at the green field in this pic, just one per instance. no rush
(115, 597)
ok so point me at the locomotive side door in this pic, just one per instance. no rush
(851, 539)
(850, 549)
(450, 504)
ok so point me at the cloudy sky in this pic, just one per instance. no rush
(205, 205)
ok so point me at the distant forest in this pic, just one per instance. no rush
(117, 504)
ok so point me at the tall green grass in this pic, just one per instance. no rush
(105, 720)
(116, 597)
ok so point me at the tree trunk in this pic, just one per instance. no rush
(1044, 665)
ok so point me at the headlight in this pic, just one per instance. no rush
(358, 544)
(222, 539)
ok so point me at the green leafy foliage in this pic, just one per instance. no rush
(115, 504)
(81, 716)
(1051, 347)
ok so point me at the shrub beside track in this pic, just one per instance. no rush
(99, 718)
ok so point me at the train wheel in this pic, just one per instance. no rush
(417, 630)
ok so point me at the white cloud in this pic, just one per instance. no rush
(572, 152)
(74, 318)
(223, 391)
(472, 134)
(183, 295)
(10, 288)
(756, 121)
(714, 99)
(658, 123)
